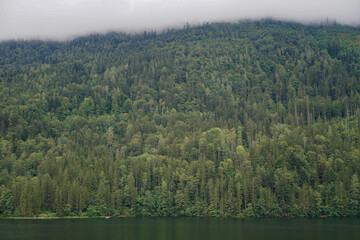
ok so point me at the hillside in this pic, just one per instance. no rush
(233, 119)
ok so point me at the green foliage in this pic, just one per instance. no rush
(245, 119)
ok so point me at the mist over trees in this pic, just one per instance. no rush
(67, 19)
(245, 119)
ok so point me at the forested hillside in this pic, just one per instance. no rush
(233, 119)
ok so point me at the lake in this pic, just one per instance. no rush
(181, 228)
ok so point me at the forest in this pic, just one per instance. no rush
(246, 119)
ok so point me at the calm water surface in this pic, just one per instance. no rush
(180, 228)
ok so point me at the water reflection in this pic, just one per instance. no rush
(181, 228)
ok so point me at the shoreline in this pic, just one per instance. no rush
(108, 217)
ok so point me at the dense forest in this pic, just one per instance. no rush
(255, 118)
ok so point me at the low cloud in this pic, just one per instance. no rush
(65, 19)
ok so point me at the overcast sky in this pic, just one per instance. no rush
(64, 19)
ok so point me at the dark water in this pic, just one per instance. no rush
(180, 228)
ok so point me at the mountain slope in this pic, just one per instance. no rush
(247, 119)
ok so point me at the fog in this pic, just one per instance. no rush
(66, 19)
